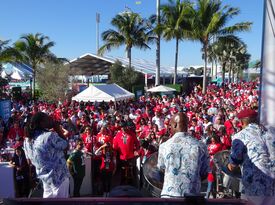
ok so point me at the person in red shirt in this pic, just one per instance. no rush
(142, 129)
(214, 147)
(225, 138)
(103, 136)
(107, 166)
(15, 132)
(88, 139)
(127, 145)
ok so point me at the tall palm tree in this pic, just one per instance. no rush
(242, 61)
(226, 49)
(34, 50)
(131, 31)
(209, 19)
(175, 25)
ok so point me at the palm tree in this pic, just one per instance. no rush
(242, 61)
(226, 49)
(34, 50)
(131, 31)
(209, 19)
(174, 26)
(7, 53)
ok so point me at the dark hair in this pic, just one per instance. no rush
(78, 140)
(34, 124)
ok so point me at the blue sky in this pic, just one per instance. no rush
(71, 25)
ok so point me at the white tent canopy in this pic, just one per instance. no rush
(161, 88)
(104, 92)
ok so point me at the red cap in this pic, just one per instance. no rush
(247, 113)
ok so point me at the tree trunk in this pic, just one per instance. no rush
(229, 73)
(129, 56)
(34, 76)
(212, 70)
(204, 69)
(176, 62)
(233, 76)
(216, 69)
(223, 73)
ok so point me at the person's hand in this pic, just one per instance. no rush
(57, 127)
(136, 154)
(230, 167)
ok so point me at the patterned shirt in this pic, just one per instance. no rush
(254, 150)
(185, 160)
(46, 153)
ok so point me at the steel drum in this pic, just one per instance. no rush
(221, 160)
(153, 176)
(230, 180)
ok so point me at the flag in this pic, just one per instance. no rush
(267, 86)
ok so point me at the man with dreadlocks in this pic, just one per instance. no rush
(44, 147)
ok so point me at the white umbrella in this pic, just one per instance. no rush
(161, 88)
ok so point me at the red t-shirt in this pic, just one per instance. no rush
(229, 127)
(125, 143)
(107, 162)
(15, 132)
(103, 138)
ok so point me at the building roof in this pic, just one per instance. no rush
(91, 64)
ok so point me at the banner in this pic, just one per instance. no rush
(267, 94)
(5, 109)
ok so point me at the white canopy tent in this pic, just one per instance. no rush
(104, 92)
(161, 89)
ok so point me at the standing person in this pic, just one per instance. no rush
(45, 150)
(108, 165)
(126, 145)
(21, 172)
(76, 165)
(184, 159)
(253, 150)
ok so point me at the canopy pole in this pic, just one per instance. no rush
(146, 80)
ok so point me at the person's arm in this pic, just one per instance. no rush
(204, 169)
(12, 163)
(70, 164)
(58, 142)
(97, 152)
(59, 130)
(161, 159)
(236, 156)
(114, 161)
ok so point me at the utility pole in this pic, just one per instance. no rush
(97, 32)
(157, 76)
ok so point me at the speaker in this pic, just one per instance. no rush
(16, 92)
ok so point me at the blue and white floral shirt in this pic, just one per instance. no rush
(254, 150)
(46, 153)
(185, 160)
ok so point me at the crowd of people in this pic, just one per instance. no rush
(115, 134)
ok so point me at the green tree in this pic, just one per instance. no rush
(34, 50)
(7, 54)
(124, 76)
(174, 25)
(209, 19)
(257, 64)
(228, 51)
(53, 80)
(131, 31)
